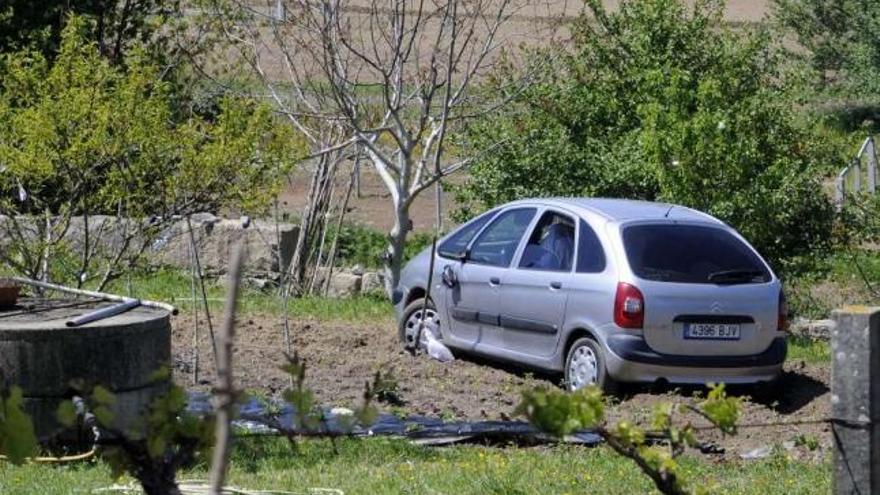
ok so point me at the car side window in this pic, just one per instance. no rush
(551, 245)
(455, 245)
(590, 255)
(498, 242)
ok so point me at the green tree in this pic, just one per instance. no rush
(117, 24)
(661, 102)
(81, 136)
(843, 42)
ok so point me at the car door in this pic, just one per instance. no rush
(534, 294)
(473, 302)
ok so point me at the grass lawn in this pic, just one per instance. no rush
(374, 466)
(811, 351)
(173, 286)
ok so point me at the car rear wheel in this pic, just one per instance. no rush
(585, 365)
(412, 318)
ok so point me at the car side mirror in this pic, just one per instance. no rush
(450, 279)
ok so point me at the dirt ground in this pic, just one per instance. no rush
(341, 358)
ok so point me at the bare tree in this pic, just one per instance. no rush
(392, 77)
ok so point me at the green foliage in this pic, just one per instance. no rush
(661, 102)
(309, 416)
(561, 413)
(386, 388)
(809, 350)
(843, 42)
(17, 438)
(721, 410)
(166, 438)
(117, 25)
(80, 136)
(365, 246)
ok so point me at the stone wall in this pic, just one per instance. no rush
(171, 246)
(349, 282)
(215, 238)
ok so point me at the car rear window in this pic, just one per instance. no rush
(691, 254)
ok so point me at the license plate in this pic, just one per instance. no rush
(711, 331)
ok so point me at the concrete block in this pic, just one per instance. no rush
(344, 284)
(855, 389)
(373, 282)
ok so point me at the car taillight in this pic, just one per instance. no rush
(782, 319)
(629, 306)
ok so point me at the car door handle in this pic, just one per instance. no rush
(494, 281)
(555, 285)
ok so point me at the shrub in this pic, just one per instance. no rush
(841, 37)
(365, 246)
(660, 103)
(80, 136)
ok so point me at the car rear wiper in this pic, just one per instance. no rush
(737, 275)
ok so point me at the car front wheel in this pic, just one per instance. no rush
(412, 318)
(585, 365)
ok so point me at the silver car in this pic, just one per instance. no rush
(605, 291)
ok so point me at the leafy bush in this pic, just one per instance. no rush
(842, 38)
(659, 102)
(80, 136)
(365, 246)
(17, 438)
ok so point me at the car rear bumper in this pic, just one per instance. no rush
(630, 359)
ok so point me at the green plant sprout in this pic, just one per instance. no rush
(561, 413)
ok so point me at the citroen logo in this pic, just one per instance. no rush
(716, 307)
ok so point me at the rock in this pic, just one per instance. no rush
(341, 411)
(373, 282)
(357, 270)
(260, 283)
(344, 285)
(215, 238)
(759, 453)
(812, 329)
(321, 279)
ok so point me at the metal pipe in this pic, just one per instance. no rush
(100, 314)
(97, 295)
(418, 339)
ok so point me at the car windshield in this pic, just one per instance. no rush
(691, 254)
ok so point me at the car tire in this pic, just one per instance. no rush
(592, 366)
(411, 314)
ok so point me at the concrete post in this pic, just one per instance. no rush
(855, 400)
(871, 151)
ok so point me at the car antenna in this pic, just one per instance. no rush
(667, 211)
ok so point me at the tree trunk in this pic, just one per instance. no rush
(396, 244)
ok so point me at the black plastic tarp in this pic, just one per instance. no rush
(253, 419)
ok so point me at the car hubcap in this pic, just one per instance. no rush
(582, 368)
(413, 322)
